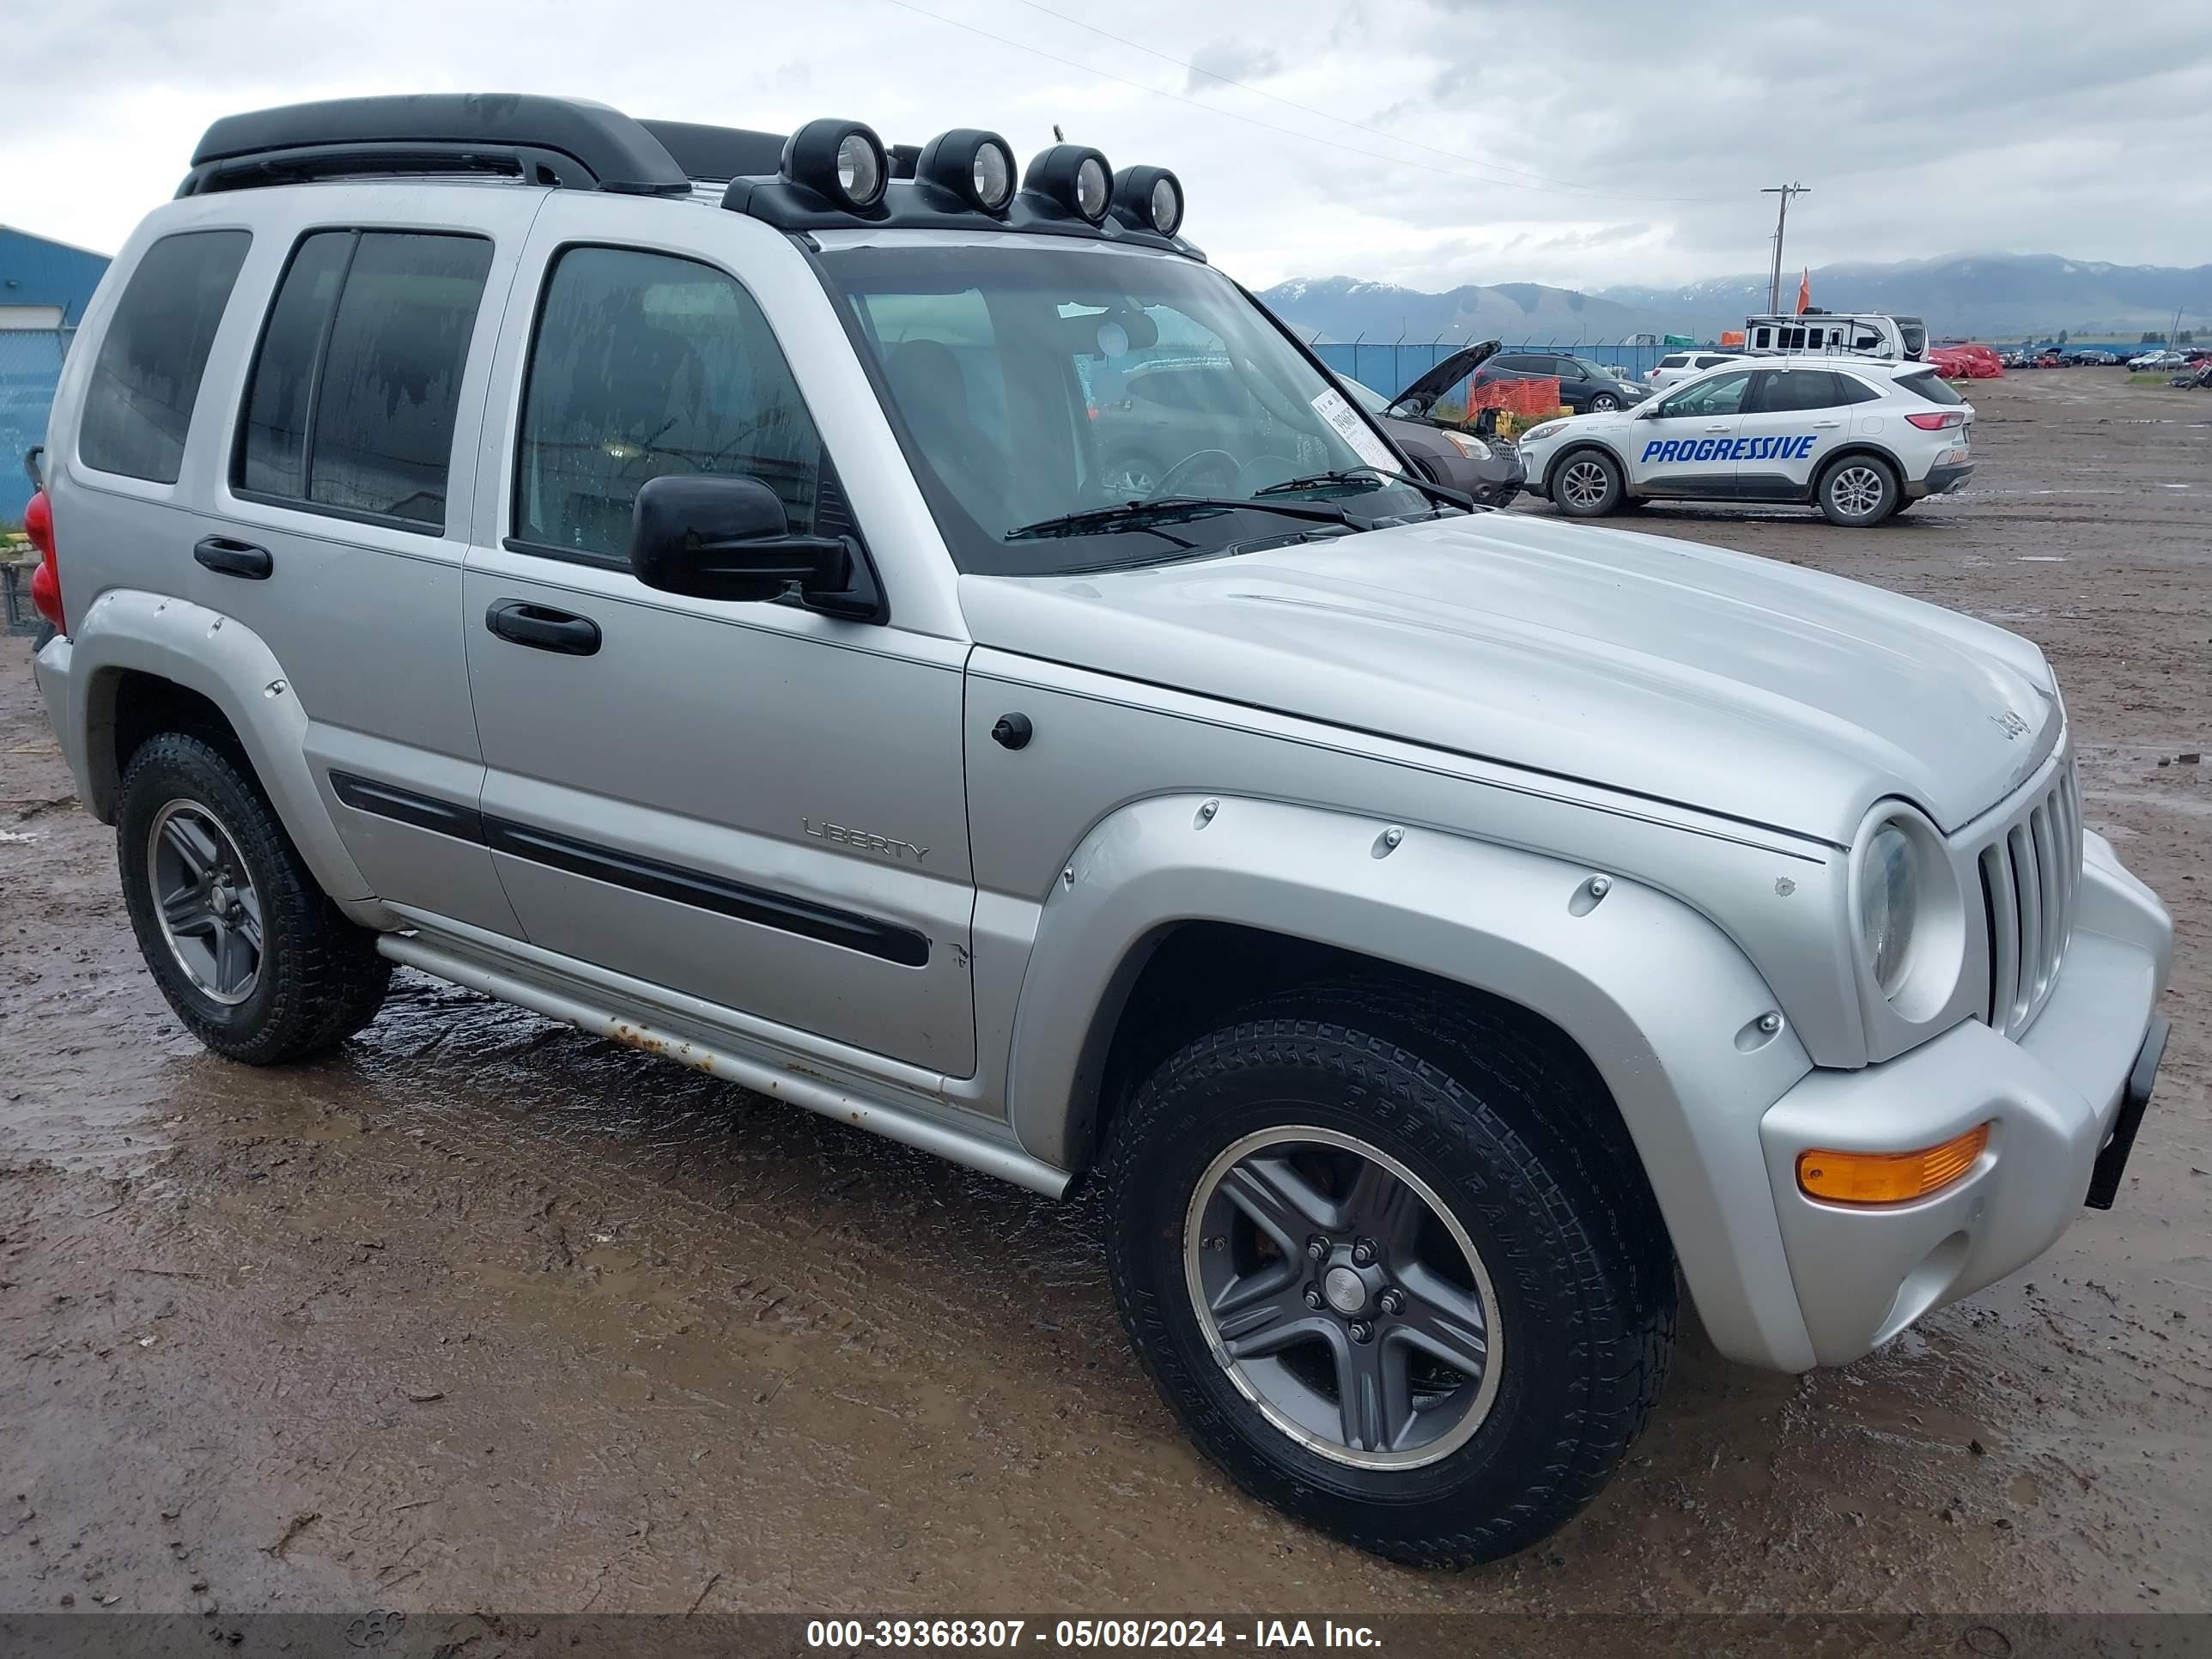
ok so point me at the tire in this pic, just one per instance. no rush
(194, 821)
(1858, 491)
(1587, 484)
(1521, 1158)
(1604, 402)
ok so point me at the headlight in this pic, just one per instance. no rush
(1889, 905)
(1544, 431)
(1473, 447)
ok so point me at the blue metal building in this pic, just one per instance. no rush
(45, 286)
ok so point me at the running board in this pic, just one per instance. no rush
(907, 1128)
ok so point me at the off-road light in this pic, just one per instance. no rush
(1148, 199)
(1889, 1177)
(976, 165)
(842, 160)
(1073, 178)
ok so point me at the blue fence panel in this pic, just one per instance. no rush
(30, 366)
(1387, 366)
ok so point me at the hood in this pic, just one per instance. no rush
(1425, 390)
(1681, 672)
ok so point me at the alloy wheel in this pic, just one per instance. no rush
(205, 900)
(1585, 484)
(1341, 1297)
(1856, 491)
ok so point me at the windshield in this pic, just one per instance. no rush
(1038, 391)
(1367, 396)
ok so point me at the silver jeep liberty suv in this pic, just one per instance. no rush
(669, 577)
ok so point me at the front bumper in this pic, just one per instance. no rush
(2056, 1100)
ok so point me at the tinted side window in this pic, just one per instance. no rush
(147, 373)
(1785, 392)
(273, 446)
(1720, 395)
(1930, 386)
(1852, 390)
(357, 381)
(643, 364)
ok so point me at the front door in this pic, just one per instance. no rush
(1686, 446)
(754, 805)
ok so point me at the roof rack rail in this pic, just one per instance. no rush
(567, 142)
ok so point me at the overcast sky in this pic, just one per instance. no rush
(1427, 141)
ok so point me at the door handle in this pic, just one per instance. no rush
(230, 558)
(1827, 423)
(1722, 427)
(542, 628)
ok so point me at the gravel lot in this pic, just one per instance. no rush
(484, 1313)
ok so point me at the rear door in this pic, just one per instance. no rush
(1793, 418)
(1686, 445)
(343, 510)
(759, 807)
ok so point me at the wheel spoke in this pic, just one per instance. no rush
(187, 913)
(1382, 1206)
(191, 842)
(233, 963)
(1442, 1319)
(1279, 1199)
(1374, 1393)
(1246, 1289)
(1274, 1322)
(248, 921)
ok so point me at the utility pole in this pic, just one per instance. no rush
(1774, 285)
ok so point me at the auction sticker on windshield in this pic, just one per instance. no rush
(1332, 408)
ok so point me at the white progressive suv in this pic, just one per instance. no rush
(1858, 438)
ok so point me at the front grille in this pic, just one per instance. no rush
(2031, 874)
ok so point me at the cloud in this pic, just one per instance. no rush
(1230, 60)
(1433, 143)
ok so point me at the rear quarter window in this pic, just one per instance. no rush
(1929, 388)
(146, 377)
(1678, 361)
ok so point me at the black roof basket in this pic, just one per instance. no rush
(564, 142)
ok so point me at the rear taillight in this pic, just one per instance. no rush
(46, 580)
(1936, 420)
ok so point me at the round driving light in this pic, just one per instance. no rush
(859, 170)
(1167, 206)
(1889, 905)
(993, 174)
(1148, 200)
(1091, 188)
(972, 167)
(841, 161)
(1072, 181)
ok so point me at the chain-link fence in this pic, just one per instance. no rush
(1388, 367)
(30, 366)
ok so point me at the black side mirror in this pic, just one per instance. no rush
(727, 537)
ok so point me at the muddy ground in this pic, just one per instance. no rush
(484, 1313)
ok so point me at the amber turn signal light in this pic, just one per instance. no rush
(1889, 1177)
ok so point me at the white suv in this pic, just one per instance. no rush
(1858, 438)
(1679, 366)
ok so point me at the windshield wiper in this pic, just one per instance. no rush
(1375, 476)
(1167, 509)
